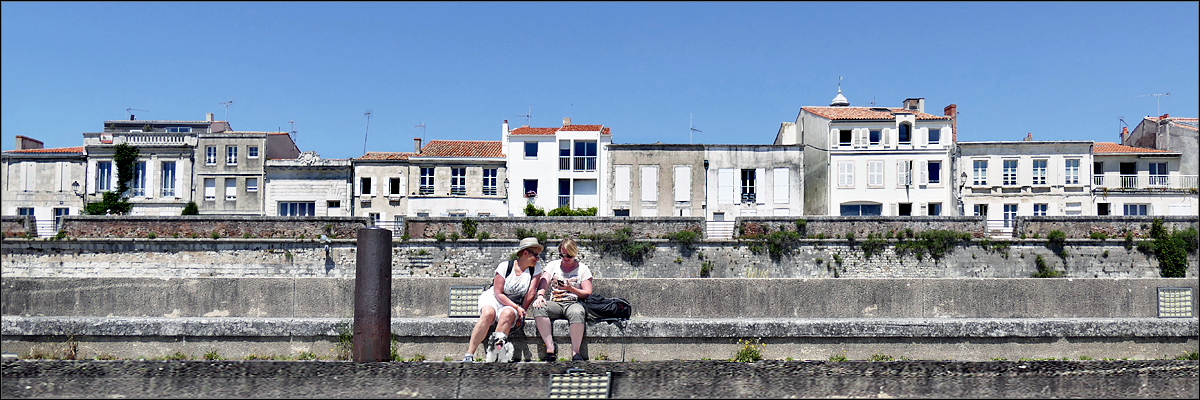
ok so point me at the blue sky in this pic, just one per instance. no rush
(1063, 71)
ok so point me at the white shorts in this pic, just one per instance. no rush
(488, 299)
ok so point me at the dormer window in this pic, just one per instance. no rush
(905, 133)
(845, 137)
(935, 135)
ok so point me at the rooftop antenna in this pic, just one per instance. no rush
(368, 114)
(1157, 98)
(422, 126)
(872, 103)
(293, 130)
(1121, 119)
(691, 128)
(226, 104)
(130, 112)
(528, 115)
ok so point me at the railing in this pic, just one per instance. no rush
(584, 163)
(564, 200)
(564, 163)
(1144, 181)
(154, 139)
(425, 190)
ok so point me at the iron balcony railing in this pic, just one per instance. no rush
(1144, 181)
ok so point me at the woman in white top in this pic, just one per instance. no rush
(507, 298)
(569, 281)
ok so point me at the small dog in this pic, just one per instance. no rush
(498, 348)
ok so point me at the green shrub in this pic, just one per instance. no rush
(453, 236)
(1098, 235)
(151, 235)
(1128, 240)
(469, 227)
(215, 235)
(191, 209)
(522, 233)
(706, 269)
(534, 211)
(564, 211)
(441, 237)
(1056, 238)
(687, 238)
(1043, 270)
(872, 246)
(620, 242)
(484, 235)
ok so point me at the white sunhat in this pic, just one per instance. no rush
(530, 242)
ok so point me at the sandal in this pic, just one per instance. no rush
(551, 356)
(577, 357)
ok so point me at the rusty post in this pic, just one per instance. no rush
(373, 295)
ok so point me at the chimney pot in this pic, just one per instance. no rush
(1029, 136)
(566, 122)
(417, 145)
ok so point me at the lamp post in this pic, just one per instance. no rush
(506, 197)
(82, 195)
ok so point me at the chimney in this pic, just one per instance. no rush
(26, 143)
(417, 145)
(504, 131)
(1029, 136)
(208, 117)
(1124, 134)
(132, 117)
(566, 122)
(915, 104)
(952, 112)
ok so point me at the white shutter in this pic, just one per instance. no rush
(27, 176)
(725, 186)
(683, 182)
(923, 172)
(875, 173)
(780, 190)
(210, 188)
(902, 173)
(864, 137)
(760, 179)
(835, 137)
(230, 188)
(854, 139)
(920, 140)
(621, 184)
(179, 181)
(888, 138)
(649, 183)
(922, 209)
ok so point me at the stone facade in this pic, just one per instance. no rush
(198, 226)
(16, 226)
(1113, 226)
(574, 227)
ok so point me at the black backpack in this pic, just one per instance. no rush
(607, 309)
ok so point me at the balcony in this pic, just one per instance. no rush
(587, 163)
(1144, 182)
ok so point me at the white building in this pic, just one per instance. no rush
(306, 186)
(554, 167)
(874, 160)
(381, 182)
(1003, 179)
(1141, 181)
(44, 183)
(456, 178)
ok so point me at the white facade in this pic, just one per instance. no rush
(1141, 181)
(748, 180)
(307, 186)
(38, 182)
(1003, 180)
(553, 167)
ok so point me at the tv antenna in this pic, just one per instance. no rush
(691, 128)
(1157, 99)
(422, 126)
(293, 129)
(872, 103)
(528, 115)
(1121, 119)
(226, 104)
(131, 110)
(368, 114)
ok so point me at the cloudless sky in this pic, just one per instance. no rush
(1062, 71)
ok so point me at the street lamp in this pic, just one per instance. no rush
(506, 197)
(82, 195)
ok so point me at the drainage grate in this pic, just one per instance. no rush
(578, 384)
(464, 301)
(1175, 302)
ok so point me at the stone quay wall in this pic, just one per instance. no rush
(839, 227)
(573, 227)
(806, 258)
(1113, 226)
(204, 226)
(18, 226)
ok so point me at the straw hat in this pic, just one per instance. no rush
(530, 242)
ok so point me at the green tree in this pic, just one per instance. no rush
(116, 202)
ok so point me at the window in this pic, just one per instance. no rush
(1158, 174)
(104, 176)
(251, 184)
(58, 214)
(564, 155)
(1128, 175)
(845, 137)
(426, 181)
(531, 149)
(846, 173)
(748, 195)
(210, 155)
(168, 178)
(1102, 208)
(1010, 172)
(1073, 209)
(231, 155)
(876, 135)
(1072, 173)
(139, 179)
(1010, 213)
(935, 208)
(585, 155)
(489, 181)
(1040, 209)
(373, 219)
(849, 210)
(905, 210)
(297, 209)
(531, 187)
(621, 184)
(1039, 172)
(1136, 209)
(364, 186)
(935, 172)
(458, 181)
(980, 173)
(179, 129)
(230, 189)
(564, 192)
(620, 213)
(905, 134)
(935, 135)
(252, 151)
(210, 189)
(903, 173)
(981, 210)
(875, 173)
(649, 183)
(333, 204)
(23, 211)
(394, 187)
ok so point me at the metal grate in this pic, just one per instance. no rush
(1175, 302)
(578, 384)
(464, 301)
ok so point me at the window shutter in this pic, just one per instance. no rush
(649, 183)
(920, 140)
(922, 209)
(621, 186)
(725, 186)
(760, 181)
(923, 172)
(901, 173)
(683, 183)
(780, 188)
(864, 137)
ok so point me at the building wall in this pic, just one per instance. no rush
(765, 160)
(629, 160)
(1059, 197)
(42, 182)
(323, 182)
(244, 202)
(442, 202)
(1169, 200)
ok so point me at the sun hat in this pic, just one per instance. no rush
(530, 242)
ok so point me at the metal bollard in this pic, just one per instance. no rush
(373, 296)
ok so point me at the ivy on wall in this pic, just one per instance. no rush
(117, 202)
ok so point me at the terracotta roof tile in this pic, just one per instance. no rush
(569, 128)
(462, 148)
(576, 128)
(1113, 148)
(875, 113)
(386, 155)
(59, 150)
(533, 131)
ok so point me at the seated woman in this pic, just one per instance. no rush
(505, 302)
(569, 281)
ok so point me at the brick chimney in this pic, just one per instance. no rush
(1124, 134)
(1029, 136)
(952, 112)
(26, 143)
(566, 122)
(417, 145)
(208, 117)
(915, 104)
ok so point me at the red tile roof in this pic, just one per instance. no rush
(60, 150)
(873, 113)
(569, 128)
(1113, 148)
(533, 131)
(386, 155)
(462, 148)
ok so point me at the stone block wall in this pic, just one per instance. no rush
(203, 226)
(1113, 226)
(18, 226)
(574, 227)
(862, 226)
